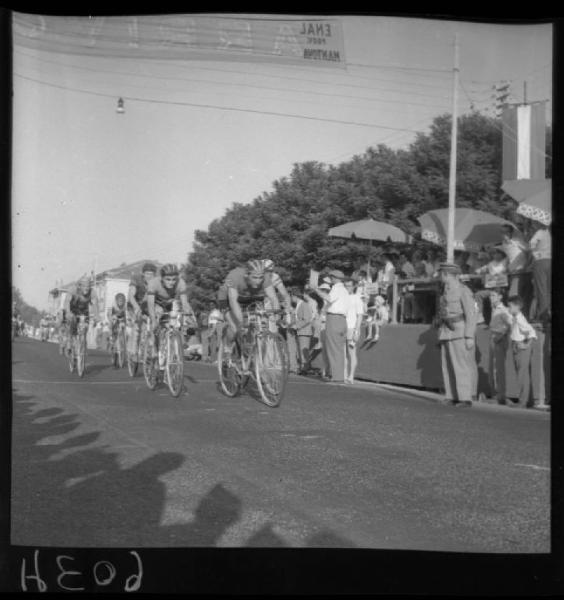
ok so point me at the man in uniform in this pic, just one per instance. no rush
(457, 329)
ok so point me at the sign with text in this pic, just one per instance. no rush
(188, 37)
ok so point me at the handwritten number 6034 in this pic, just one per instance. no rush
(104, 573)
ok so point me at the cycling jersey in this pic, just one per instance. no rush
(79, 302)
(163, 297)
(237, 279)
(118, 312)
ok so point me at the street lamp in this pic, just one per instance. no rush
(120, 109)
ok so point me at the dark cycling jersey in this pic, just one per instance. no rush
(237, 279)
(163, 297)
(80, 302)
(118, 312)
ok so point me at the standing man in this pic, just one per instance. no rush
(457, 329)
(304, 328)
(541, 250)
(500, 326)
(354, 316)
(336, 324)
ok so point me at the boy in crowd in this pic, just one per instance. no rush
(303, 328)
(522, 334)
(500, 327)
(378, 315)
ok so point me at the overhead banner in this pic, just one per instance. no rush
(187, 37)
(524, 141)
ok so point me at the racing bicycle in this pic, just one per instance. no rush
(163, 358)
(77, 352)
(118, 348)
(256, 353)
(134, 358)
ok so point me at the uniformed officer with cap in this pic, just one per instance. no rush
(457, 328)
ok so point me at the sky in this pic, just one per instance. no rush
(92, 189)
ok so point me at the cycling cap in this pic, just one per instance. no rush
(268, 264)
(256, 267)
(149, 267)
(169, 270)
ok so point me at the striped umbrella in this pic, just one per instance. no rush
(534, 197)
(473, 229)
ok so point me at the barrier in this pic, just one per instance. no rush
(409, 355)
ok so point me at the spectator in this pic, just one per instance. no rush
(324, 287)
(385, 273)
(419, 264)
(516, 251)
(378, 315)
(215, 323)
(291, 335)
(500, 327)
(407, 271)
(522, 334)
(540, 245)
(495, 270)
(336, 325)
(355, 312)
(304, 328)
(432, 264)
(461, 261)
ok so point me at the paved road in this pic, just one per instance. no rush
(103, 461)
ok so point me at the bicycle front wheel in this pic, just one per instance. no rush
(131, 357)
(229, 367)
(71, 354)
(175, 364)
(81, 356)
(120, 349)
(271, 371)
(150, 370)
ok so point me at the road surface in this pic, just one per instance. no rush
(103, 461)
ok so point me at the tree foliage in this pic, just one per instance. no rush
(29, 314)
(289, 223)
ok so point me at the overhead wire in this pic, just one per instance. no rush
(212, 106)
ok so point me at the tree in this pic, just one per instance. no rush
(289, 224)
(28, 313)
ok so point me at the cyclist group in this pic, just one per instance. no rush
(153, 293)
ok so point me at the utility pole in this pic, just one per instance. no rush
(524, 92)
(452, 172)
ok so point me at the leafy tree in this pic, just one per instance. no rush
(289, 223)
(29, 314)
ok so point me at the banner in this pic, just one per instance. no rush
(524, 141)
(304, 41)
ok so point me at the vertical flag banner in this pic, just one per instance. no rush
(294, 40)
(524, 141)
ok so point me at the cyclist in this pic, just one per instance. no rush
(163, 292)
(116, 314)
(243, 286)
(277, 282)
(137, 301)
(80, 299)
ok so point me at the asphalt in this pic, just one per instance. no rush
(104, 462)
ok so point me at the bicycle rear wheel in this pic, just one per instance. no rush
(271, 371)
(150, 370)
(81, 355)
(175, 364)
(229, 367)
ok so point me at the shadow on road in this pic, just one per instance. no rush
(66, 492)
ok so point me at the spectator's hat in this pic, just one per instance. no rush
(324, 286)
(450, 268)
(337, 274)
